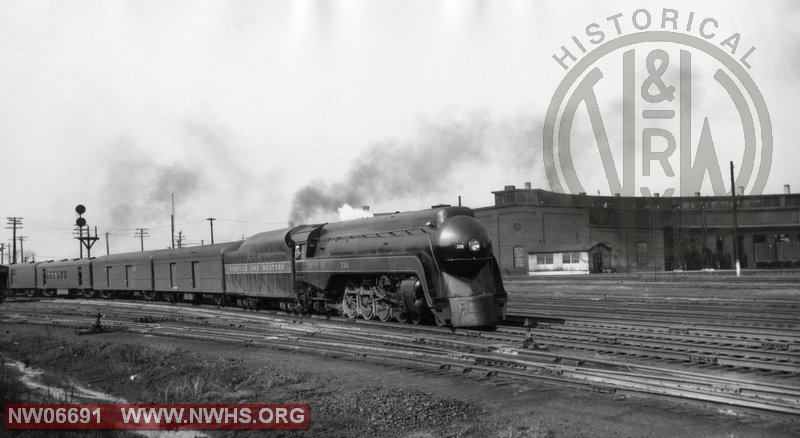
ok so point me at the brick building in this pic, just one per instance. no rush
(536, 231)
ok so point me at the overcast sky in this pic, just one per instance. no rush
(242, 108)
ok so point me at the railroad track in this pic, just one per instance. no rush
(743, 335)
(496, 357)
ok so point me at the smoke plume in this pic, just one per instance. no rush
(396, 169)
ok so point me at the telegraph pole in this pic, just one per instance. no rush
(211, 221)
(22, 248)
(79, 232)
(180, 239)
(2, 253)
(141, 233)
(12, 224)
(735, 225)
(107, 253)
(172, 221)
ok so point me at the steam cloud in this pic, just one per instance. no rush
(395, 169)
(346, 213)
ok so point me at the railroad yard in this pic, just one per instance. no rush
(599, 357)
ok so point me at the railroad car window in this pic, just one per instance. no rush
(172, 275)
(519, 257)
(108, 276)
(127, 274)
(80, 277)
(194, 274)
(44, 277)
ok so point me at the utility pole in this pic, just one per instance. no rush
(180, 239)
(735, 225)
(78, 231)
(141, 233)
(107, 253)
(22, 248)
(2, 253)
(172, 221)
(12, 224)
(211, 221)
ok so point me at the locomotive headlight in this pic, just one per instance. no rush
(474, 245)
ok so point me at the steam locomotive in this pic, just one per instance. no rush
(431, 265)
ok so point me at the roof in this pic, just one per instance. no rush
(567, 247)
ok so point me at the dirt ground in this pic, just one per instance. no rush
(352, 397)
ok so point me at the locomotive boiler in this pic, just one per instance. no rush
(432, 264)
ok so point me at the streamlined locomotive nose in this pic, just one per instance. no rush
(464, 246)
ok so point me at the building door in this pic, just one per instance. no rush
(597, 262)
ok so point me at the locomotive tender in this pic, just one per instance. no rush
(429, 265)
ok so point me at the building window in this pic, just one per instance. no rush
(517, 227)
(569, 258)
(519, 257)
(544, 259)
(641, 253)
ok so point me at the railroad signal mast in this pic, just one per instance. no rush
(88, 240)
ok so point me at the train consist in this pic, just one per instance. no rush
(431, 265)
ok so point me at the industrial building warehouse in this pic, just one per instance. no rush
(539, 232)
